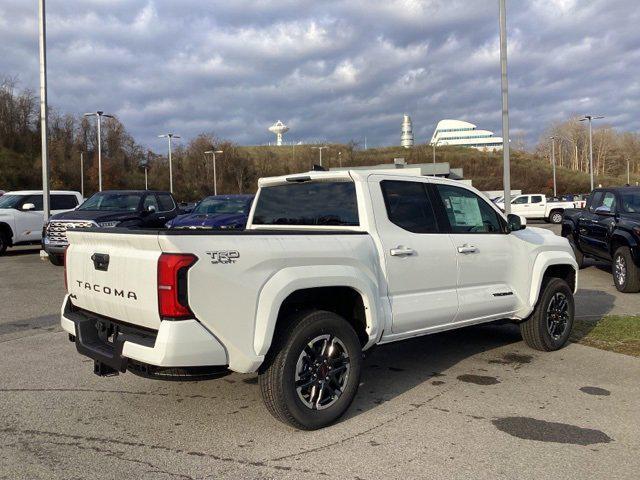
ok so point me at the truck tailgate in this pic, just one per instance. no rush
(115, 275)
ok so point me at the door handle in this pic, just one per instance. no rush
(467, 249)
(401, 251)
(161, 218)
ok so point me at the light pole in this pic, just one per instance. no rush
(340, 159)
(169, 136)
(215, 179)
(99, 114)
(433, 145)
(505, 107)
(320, 151)
(82, 174)
(146, 182)
(43, 109)
(553, 162)
(589, 118)
(628, 173)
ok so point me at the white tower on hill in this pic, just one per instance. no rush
(406, 139)
(279, 129)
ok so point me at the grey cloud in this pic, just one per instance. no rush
(337, 70)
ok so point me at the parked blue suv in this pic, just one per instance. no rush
(216, 211)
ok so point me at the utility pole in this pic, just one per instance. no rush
(146, 182)
(433, 145)
(506, 179)
(553, 162)
(99, 114)
(46, 204)
(589, 118)
(82, 174)
(215, 178)
(169, 136)
(628, 173)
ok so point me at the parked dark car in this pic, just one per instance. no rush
(608, 229)
(107, 209)
(216, 211)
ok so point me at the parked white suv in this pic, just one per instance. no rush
(330, 264)
(22, 218)
(537, 206)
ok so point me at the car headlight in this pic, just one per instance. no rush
(109, 224)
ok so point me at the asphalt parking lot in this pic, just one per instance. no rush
(474, 403)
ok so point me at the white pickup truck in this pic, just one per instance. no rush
(536, 206)
(330, 264)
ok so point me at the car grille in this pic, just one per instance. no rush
(57, 229)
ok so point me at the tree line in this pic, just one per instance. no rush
(239, 167)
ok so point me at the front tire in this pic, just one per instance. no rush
(312, 375)
(549, 326)
(626, 275)
(555, 216)
(57, 260)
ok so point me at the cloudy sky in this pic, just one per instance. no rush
(331, 70)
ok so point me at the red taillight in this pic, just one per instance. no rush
(172, 285)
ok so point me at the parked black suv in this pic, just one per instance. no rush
(608, 229)
(109, 208)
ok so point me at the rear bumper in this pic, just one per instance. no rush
(182, 343)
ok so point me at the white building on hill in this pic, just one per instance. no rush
(464, 134)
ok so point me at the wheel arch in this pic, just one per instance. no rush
(552, 265)
(620, 238)
(6, 229)
(337, 288)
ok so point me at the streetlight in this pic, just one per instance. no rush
(589, 118)
(505, 107)
(215, 179)
(99, 114)
(82, 174)
(42, 43)
(340, 159)
(169, 136)
(553, 161)
(320, 151)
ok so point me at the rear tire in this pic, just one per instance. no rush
(4, 242)
(57, 260)
(549, 326)
(555, 216)
(626, 275)
(304, 381)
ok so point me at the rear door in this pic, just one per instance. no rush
(126, 287)
(520, 205)
(537, 206)
(484, 252)
(420, 259)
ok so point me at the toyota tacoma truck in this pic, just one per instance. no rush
(536, 206)
(330, 264)
(608, 229)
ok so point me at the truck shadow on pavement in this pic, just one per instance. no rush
(393, 369)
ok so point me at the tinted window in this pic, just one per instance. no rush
(63, 202)
(408, 206)
(596, 200)
(220, 206)
(36, 200)
(467, 212)
(631, 201)
(10, 201)
(317, 203)
(150, 201)
(166, 202)
(520, 200)
(536, 199)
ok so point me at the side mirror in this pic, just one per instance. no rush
(516, 222)
(151, 209)
(604, 210)
(28, 206)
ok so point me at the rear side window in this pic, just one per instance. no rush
(408, 206)
(536, 199)
(166, 202)
(467, 212)
(312, 203)
(63, 202)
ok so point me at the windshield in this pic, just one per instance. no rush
(220, 206)
(630, 201)
(10, 201)
(112, 201)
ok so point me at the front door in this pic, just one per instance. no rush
(29, 222)
(520, 206)
(420, 259)
(484, 251)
